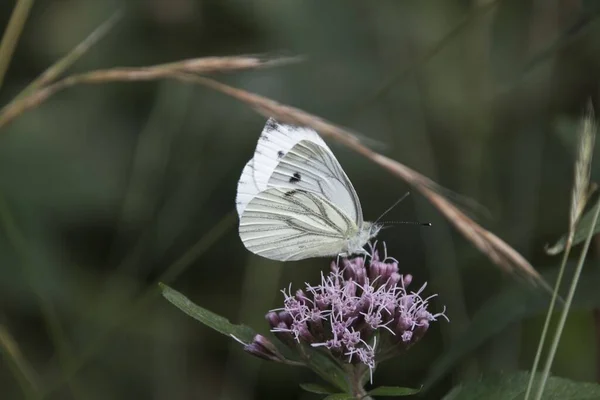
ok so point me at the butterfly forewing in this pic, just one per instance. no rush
(315, 169)
(246, 189)
(292, 224)
(275, 141)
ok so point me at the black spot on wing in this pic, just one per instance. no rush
(280, 154)
(271, 125)
(295, 178)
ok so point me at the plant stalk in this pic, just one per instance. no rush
(565, 311)
(538, 354)
(12, 33)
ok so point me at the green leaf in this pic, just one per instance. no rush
(208, 318)
(514, 385)
(581, 231)
(340, 396)
(388, 391)
(325, 367)
(314, 358)
(514, 303)
(318, 389)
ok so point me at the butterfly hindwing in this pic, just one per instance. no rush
(293, 224)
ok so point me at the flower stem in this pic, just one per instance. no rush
(355, 375)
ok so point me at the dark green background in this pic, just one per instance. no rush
(104, 188)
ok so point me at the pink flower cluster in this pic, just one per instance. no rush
(358, 304)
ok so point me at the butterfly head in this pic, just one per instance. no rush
(371, 229)
(366, 232)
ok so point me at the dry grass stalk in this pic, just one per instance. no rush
(173, 70)
(581, 187)
(56, 69)
(495, 248)
(187, 71)
(579, 198)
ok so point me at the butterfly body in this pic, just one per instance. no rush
(295, 201)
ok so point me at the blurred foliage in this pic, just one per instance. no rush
(103, 189)
(500, 386)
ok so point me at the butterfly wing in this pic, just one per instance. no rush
(313, 168)
(293, 224)
(247, 188)
(274, 143)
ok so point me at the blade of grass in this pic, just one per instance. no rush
(59, 67)
(153, 147)
(565, 311)
(20, 367)
(570, 34)
(579, 198)
(183, 262)
(12, 33)
(549, 314)
(396, 77)
(55, 331)
(172, 272)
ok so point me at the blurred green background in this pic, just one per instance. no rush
(106, 189)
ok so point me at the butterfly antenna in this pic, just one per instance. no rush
(406, 223)
(392, 206)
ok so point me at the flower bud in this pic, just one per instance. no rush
(321, 302)
(261, 347)
(300, 296)
(406, 280)
(283, 333)
(273, 319)
(286, 318)
(304, 334)
(394, 279)
(420, 329)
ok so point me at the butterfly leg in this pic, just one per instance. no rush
(366, 254)
(340, 255)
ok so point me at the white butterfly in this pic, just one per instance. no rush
(295, 201)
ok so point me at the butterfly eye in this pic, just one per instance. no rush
(295, 178)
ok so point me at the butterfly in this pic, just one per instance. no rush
(295, 201)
